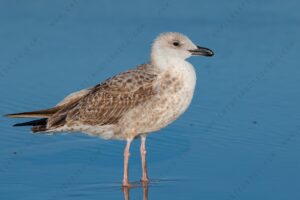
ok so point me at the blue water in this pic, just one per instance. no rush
(240, 139)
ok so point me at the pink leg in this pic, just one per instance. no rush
(143, 157)
(126, 158)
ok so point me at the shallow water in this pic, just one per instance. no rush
(239, 139)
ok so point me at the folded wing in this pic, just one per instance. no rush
(107, 102)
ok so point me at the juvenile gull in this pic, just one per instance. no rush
(131, 104)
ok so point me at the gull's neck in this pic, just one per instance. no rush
(165, 62)
(177, 67)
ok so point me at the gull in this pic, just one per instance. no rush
(131, 104)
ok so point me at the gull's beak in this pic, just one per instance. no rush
(202, 51)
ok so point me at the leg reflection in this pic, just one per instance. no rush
(126, 193)
(145, 191)
(145, 187)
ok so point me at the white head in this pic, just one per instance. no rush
(175, 45)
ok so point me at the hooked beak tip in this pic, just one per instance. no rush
(202, 51)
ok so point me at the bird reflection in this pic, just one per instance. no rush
(126, 191)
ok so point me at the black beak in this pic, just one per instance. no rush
(202, 51)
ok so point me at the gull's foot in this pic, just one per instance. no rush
(126, 184)
(145, 180)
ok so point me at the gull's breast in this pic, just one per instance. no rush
(175, 92)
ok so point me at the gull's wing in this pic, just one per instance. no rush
(107, 102)
(75, 96)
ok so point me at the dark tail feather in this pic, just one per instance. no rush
(35, 114)
(38, 125)
(33, 122)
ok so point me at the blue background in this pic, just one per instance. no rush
(240, 139)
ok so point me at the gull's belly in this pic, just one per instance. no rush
(156, 113)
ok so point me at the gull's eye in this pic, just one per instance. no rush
(176, 43)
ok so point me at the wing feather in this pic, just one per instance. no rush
(107, 102)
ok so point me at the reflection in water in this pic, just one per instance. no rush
(126, 191)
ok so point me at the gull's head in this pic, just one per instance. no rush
(175, 45)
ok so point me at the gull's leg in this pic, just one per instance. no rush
(126, 158)
(143, 157)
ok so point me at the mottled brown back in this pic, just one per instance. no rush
(107, 102)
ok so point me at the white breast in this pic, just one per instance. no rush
(181, 99)
(175, 87)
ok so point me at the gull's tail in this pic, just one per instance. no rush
(35, 114)
(33, 122)
(38, 125)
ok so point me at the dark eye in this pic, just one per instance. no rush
(176, 43)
